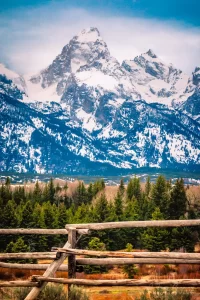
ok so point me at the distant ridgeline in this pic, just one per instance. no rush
(49, 205)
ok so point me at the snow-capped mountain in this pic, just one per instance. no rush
(86, 112)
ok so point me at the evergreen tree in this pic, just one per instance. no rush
(80, 195)
(90, 193)
(121, 187)
(182, 239)
(134, 189)
(8, 182)
(6, 192)
(148, 186)
(45, 193)
(118, 205)
(9, 216)
(58, 188)
(98, 186)
(9, 219)
(101, 209)
(51, 191)
(27, 215)
(155, 239)
(40, 242)
(160, 196)
(95, 244)
(51, 221)
(18, 246)
(37, 193)
(130, 270)
(131, 212)
(19, 194)
(178, 200)
(62, 216)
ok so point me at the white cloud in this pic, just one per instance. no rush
(30, 40)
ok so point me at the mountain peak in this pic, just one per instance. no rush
(151, 53)
(90, 34)
(196, 76)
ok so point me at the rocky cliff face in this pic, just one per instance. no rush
(87, 113)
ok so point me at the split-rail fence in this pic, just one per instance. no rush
(69, 251)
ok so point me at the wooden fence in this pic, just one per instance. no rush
(69, 251)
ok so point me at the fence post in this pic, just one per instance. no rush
(71, 257)
(50, 271)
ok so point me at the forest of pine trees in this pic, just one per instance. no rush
(49, 206)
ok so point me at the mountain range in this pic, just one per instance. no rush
(87, 113)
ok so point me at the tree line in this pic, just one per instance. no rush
(50, 206)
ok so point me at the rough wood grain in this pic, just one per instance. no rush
(40, 231)
(30, 266)
(130, 261)
(124, 282)
(71, 257)
(174, 255)
(18, 283)
(129, 224)
(27, 255)
(53, 267)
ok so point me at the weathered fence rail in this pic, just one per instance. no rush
(58, 255)
(132, 224)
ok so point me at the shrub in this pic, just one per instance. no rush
(53, 292)
(168, 294)
(77, 294)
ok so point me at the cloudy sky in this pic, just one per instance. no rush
(33, 32)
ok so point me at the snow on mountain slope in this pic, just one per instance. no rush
(85, 60)
(192, 105)
(87, 111)
(157, 81)
(16, 78)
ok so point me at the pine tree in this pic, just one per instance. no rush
(27, 215)
(9, 216)
(45, 193)
(118, 205)
(8, 182)
(62, 216)
(155, 239)
(18, 246)
(19, 194)
(178, 200)
(95, 244)
(160, 196)
(6, 192)
(148, 186)
(134, 189)
(101, 209)
(130, 270)
(37, 193)
(90, 193)
(80, 195)
(121, 187)
(132, 210)
(51, 191)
